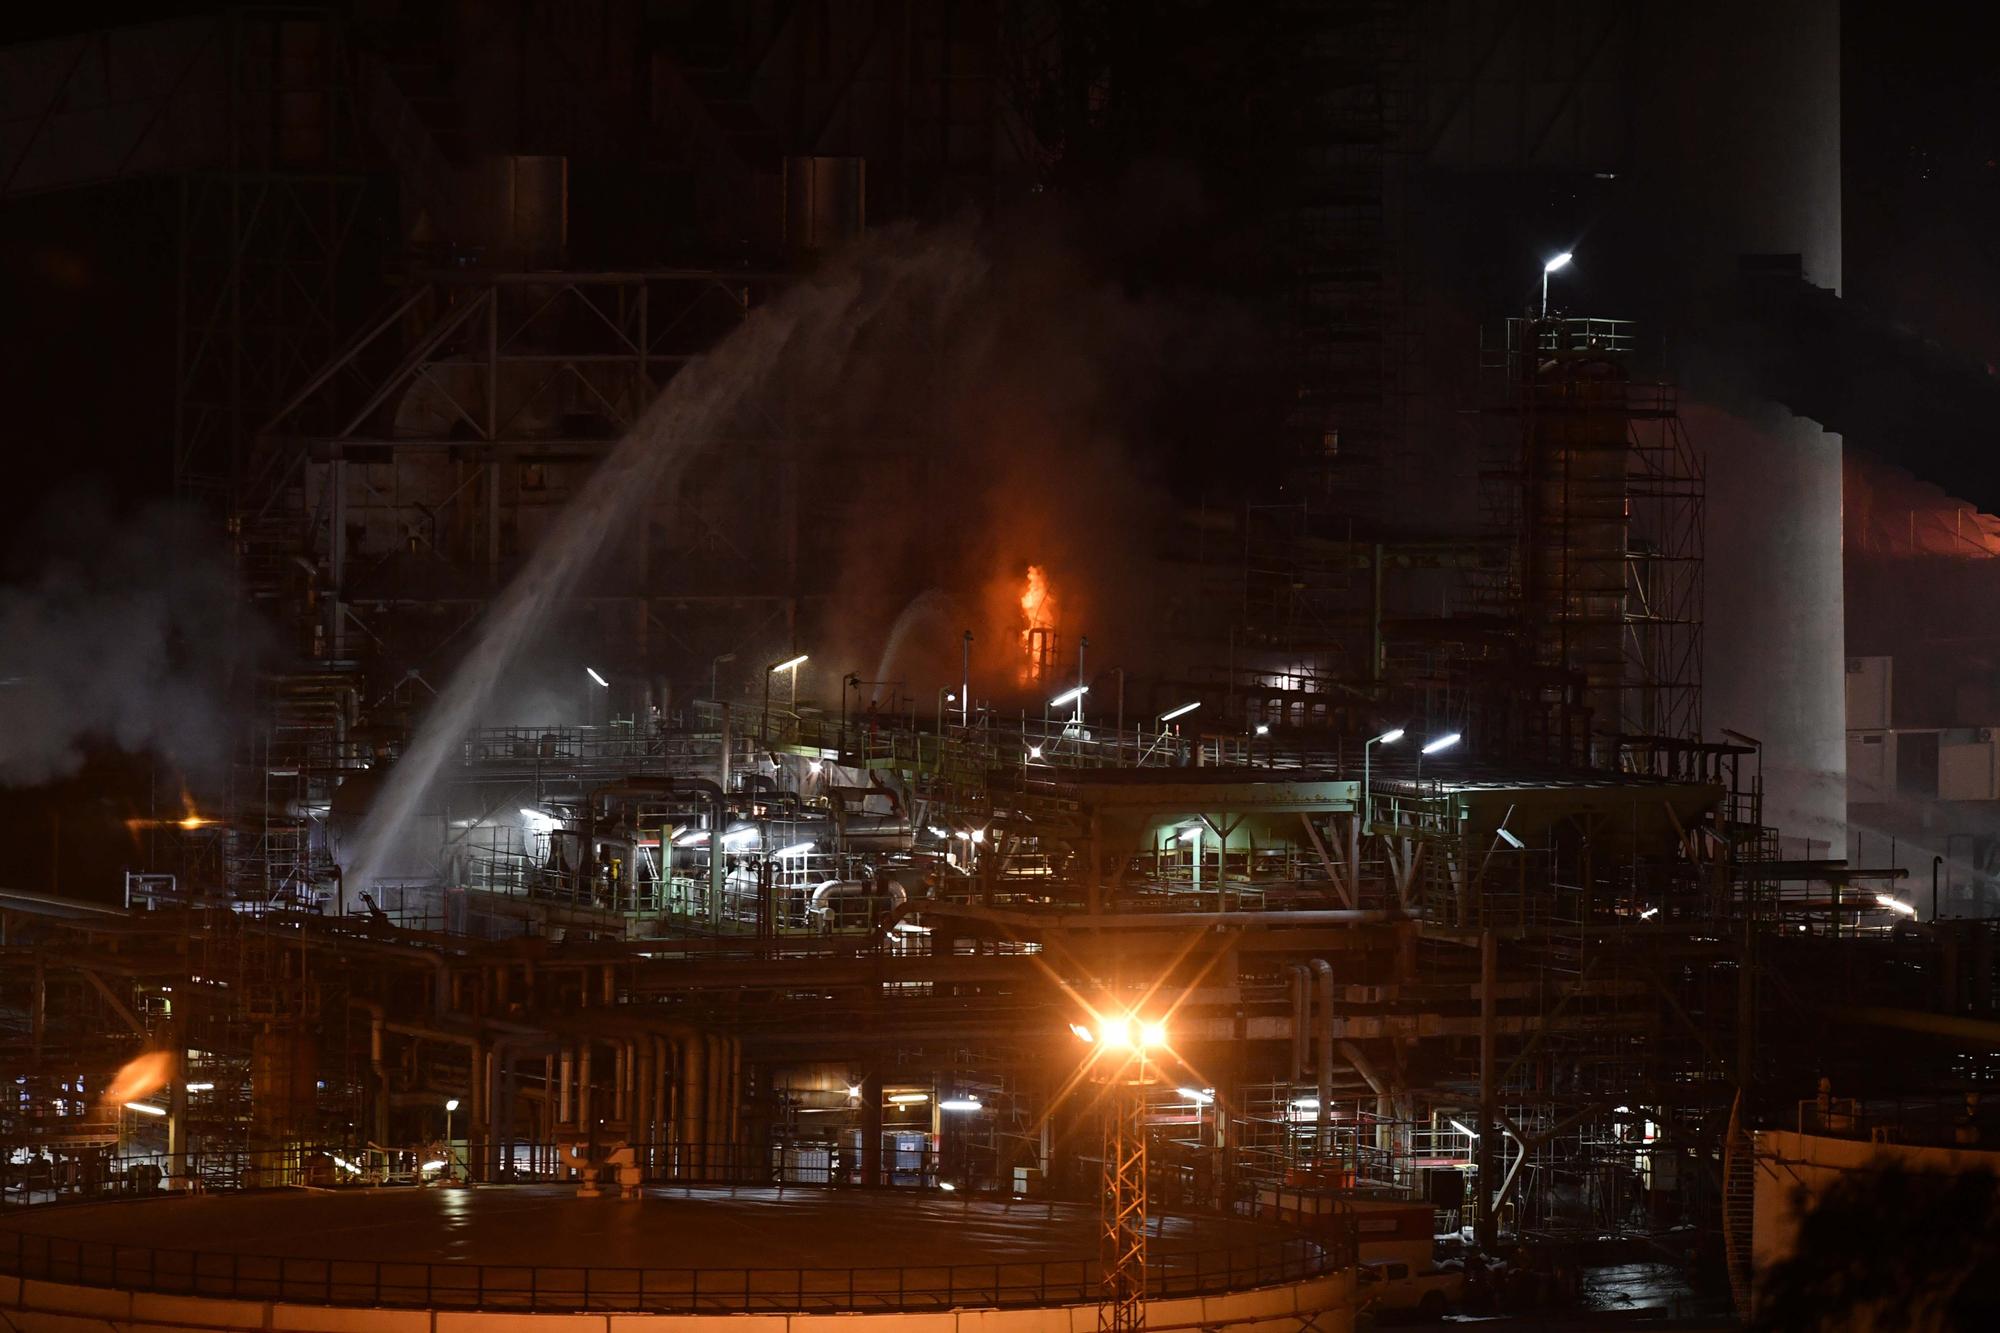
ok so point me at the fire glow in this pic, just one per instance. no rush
(1038, 625)
(190, 819)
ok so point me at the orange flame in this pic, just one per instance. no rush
(193, 819)
(1038, 622)
(141, 1077)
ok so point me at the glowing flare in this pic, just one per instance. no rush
(1038, 622)
(141, 1077)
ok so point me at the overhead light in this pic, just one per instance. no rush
(1649, 914)
(1034, 752)
(1444, 742)
(1182, 711)
(1558, 262)
(592, 671)
(854, 1092)
(436, 1164)
(201, 1087)
(1069, 696)
(796, 849)
(946, 1186)
(1507, 836)
(451, 1103)
(1263, 729)
(1895, 904)
(1082, 1033)
(1389, 737)
(959, 1104)
(908, 1098)
(813, 767)
(145, 1108)
(1199, 1096)
(1463, 1130)
(937, 832)
(788, 664)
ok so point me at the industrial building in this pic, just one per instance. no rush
(775, 673)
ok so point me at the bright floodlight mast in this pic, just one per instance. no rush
(1560, 261)
(1119, 1049)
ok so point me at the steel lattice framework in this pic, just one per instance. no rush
(1122, 1206)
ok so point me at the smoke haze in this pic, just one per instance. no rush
(124, 634)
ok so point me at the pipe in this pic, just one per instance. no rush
(692, 1107)
(376, 1068)
(1301, 1018)
(1039, 922)
(1385, 1100)
(1323, 1058)
(712, 1117)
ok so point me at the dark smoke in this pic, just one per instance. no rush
(119, 632)
(1064, 410)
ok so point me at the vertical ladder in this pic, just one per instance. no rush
(1739, 1206)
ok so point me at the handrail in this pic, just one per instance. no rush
(315, 1280)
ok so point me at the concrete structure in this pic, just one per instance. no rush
(532, 1257)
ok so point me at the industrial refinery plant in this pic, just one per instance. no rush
(1063, 664)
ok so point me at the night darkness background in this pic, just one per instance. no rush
(86, 281)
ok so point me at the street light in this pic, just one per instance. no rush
(1560, 261)
(1444, 742)
(1389, 737)
(1073, 695)
(592, 673)
(450, 1105)
(790, 665)
(713, 663)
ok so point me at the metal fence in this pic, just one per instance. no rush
(324, 1281)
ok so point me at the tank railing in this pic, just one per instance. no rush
(313, 1280)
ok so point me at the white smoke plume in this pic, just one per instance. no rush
(120, 633)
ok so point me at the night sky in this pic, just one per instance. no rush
(87, 279)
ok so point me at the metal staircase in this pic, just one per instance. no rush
(1739, 1205)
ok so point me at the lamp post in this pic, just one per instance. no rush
(851, 681)
(450, 1155)
(1560, 261)
(714, 662)
(965, 682)
(791, 666)
(1444, 742)
(1068, 696)
(1389, 737)
(1082, 642)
